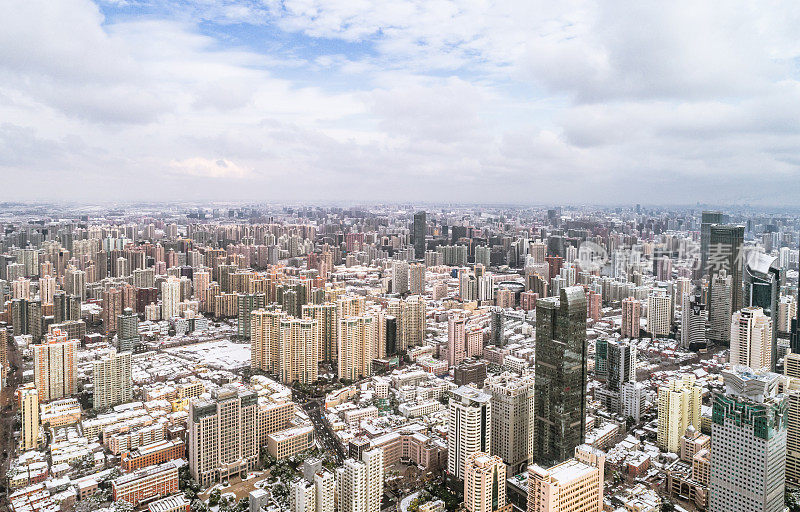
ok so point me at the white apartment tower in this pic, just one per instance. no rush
(751, 338)
(469, 427)
(111, 377)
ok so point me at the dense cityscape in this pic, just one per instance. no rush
(396, 357)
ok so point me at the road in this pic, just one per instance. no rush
(8, 409)
(322, 433)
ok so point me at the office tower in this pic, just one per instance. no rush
(360, 483)
(601, 358)
(631, 313)
(47, 289)
(400, 271)
(419, 232)
(299, 340)
(724, 253)
(417, 279)
(497, 327)
(469, 427)
(223, 435)
(128, 331)
(748, 437)
(325, 315)
(678, 407)
(751, 339)
(512, 419)
(620, 394)
(621, 364)
(708, 218)
(358, 346)
(54, 367)
(720, 307)
(659, 318)
(560, 388)
(170, 297)
(28, 400)
(575, 485)
(787, 312)
(694, 318)
(762, 282)
(456, 338)
(484, 483)
(246, 304)
(112, 308)
(111, 377)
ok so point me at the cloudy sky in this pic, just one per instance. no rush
(409, 100)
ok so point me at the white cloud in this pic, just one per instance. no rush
(210, 168)
(515, 100)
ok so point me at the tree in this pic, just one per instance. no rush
(123, 506)
(792, 500)
(214, 497)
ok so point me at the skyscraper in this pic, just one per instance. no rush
(111, 377)
(299, 340)
(469, 427)
(456, 338)
(419, 231)
(678, 407)
(28, 400)
(748, 440)
(358, 346)
(720, 307)
(560, 388)
(223, 435)
(631, 314)
(360, 483)
(659, 314)
(127, 331)
(325, 315)
(400, 275)
(694, 318)
(170, 297)
(484, 483)
(762, 281)
(54, 367)
(512, 419)
(725, 253)
(751, 339)
(246, 304)
(708, 218)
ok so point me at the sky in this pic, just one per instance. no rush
(508, 101)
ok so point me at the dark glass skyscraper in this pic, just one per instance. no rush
(762, 281)
(706, 220)
(725, 253)
(560, 388)
(419, 231)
